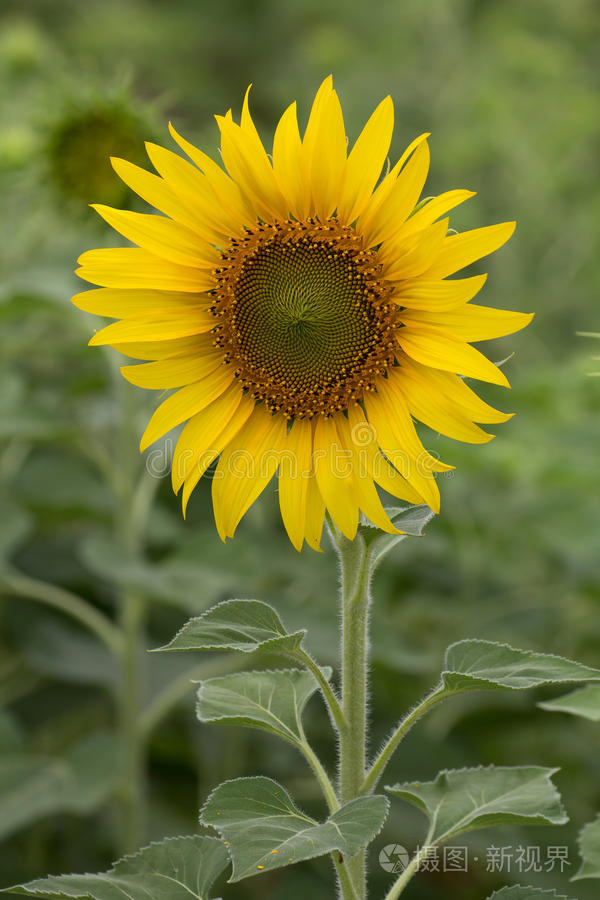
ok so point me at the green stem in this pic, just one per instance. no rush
(355, 598)
(133, 773)
(332, 702)
(66, 602)
(320, 774)
(132, 504)
(410, 871)
(376, 771)
(345, 881)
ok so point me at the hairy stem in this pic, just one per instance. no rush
(333, 705)
(410, 871)
(355, 597)
(378, 767)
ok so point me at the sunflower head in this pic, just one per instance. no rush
(305, 311)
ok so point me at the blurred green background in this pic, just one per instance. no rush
(510, 93)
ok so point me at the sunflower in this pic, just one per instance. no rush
(301, 308)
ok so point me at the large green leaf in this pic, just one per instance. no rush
(179, 868)
(589, 848)
(264, 829)
(242, 625)
(517, 892)
(273, 701)
(461, 800)
(32, 786)
(583, 702)
(475, 665)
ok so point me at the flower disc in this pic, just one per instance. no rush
(305, 320)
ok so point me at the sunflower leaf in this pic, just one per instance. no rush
(517, 892)
(583, 702)
(460, 800)
(589, 848)
(475, 665)
(264, 829)
(178, 868)
(411, 520)
(244, 625)
(269, 700)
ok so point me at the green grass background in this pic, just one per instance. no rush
(509, 91)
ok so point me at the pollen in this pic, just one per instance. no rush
(303, 316)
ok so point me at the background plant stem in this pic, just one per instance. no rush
(129, 526)
(355, 598)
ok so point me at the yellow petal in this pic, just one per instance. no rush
(164, 349)
(432, 210)
(437, 296)
(440, 352)
(194, 191)
(130, 267)
(365, 162)
(397, 437)
(383, 191)
(426, 404)
(246, 467)
(155, 191)
(172, 373)
(161, 236)
(324, 150)
(380, 470)
(418, 259)
(196, 447)
(158, 326)
(333, 471)
(248, 164)
(117, 304)
(460, 250)
(401, 200)
(185, 403)
(204, 459)
(315, 515)
(364, 490)
(294, 475)
(288, 164)
(460, 394)
(470, 322)
(226, 190)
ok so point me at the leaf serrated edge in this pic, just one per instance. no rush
(229, 719)
(220, 605)
(313, 822)
(548, 773)
(127, 857)
(529, 887)
(305, 857)
(327, 671)
(516, 650)
(577, 876)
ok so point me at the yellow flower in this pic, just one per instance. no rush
(301, 309)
